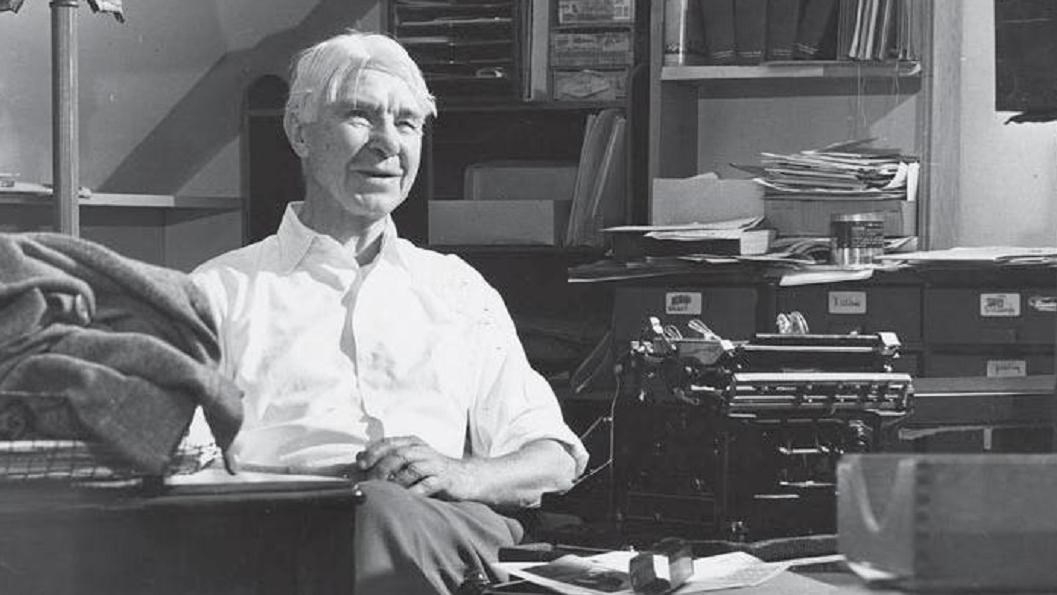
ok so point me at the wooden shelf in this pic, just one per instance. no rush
(835, 69)
(526, 106)
(596, 26)
(152, 201)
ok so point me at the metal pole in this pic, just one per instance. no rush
(64, 125)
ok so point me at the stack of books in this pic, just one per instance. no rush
(879, 30)
(755, 31)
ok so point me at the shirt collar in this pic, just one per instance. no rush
(295, 239)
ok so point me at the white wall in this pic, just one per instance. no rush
(136, 76)
(1008, 171)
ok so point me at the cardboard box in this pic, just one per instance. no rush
(812, 217)
(578, 12)
(589, 85)
(591, 50)
(520, 180)
(950, 522)
(490, 222)
(704, 199)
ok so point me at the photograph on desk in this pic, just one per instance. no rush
(454, 296)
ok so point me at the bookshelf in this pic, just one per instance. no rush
(527, 121)
(173, 231)
(828, 69)
(117, 200)
(705, 118)
(536, 114)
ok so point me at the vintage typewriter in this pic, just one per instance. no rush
(720, 439)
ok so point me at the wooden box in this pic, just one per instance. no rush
(520, 180)
(950, 522)
(812, 217)
(704, 199)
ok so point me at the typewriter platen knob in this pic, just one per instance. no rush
(860, 436)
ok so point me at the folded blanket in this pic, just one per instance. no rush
(130, 346)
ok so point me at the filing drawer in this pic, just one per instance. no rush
(729, 311)
(990, 316)
(843, 309)
(991, 365)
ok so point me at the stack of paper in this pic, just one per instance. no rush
(735, 237)
(974, 256)
(839, 172)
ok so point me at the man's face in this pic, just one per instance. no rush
(363, 150)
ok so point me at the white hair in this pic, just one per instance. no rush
(320, 71)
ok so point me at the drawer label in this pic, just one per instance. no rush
(999, 305)
(1043, 303)
(683, 302)
(1006, 368)
(847, 302)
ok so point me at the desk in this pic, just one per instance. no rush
(59, 539)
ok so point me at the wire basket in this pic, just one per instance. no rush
(40, 438)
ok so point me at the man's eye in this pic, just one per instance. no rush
(409, 125)
(359, 117)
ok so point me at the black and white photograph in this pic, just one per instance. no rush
(420, 296)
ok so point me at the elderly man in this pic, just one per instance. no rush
(361, 354)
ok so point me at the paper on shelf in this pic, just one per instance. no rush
(990, 254)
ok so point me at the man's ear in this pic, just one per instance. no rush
(295, 134)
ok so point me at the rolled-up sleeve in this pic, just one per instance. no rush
(514, 404)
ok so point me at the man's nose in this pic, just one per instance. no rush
(385, 138)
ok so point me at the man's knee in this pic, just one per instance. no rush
(386, 503)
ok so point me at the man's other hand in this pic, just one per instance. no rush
(410, 462)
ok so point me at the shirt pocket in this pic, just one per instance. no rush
(427, 370)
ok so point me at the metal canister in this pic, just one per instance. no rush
(857, 238)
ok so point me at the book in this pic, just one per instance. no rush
(684, 42)
(872, 11)
(606, 206)
(817, 22)
(847, 12)
(783, 20)
(596, 135)
(717, 21)
(750, 30)
(536, 41)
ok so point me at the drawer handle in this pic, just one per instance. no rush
(1043, 303)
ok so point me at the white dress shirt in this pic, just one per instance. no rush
(331, 355)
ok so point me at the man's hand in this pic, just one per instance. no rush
(412, 463)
